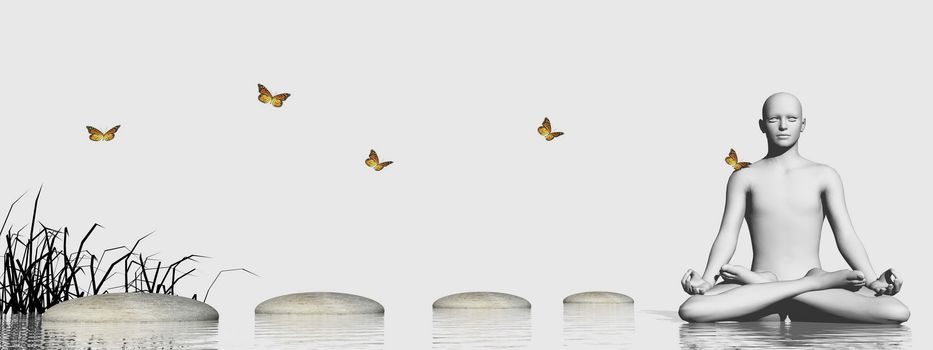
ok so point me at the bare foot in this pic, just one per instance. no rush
(846, 279)
(742, 275)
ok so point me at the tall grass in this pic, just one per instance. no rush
(40, 270)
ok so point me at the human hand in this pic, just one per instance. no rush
(694, 284)
(886, 284)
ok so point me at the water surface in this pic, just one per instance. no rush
(581, 327)
(481, 329)
(29, 332)
(794, 335)
(363, 332)
(599, 326)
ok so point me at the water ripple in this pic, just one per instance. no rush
(29, 332)
(599, 326)
(319, 331)
(481, 329)
(794, 335)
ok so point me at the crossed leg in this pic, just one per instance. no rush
(839, 305)
(704, 308)
(819, 296)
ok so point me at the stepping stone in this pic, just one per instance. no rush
(482, 300)
(319, 303)
(130, 307)
(598, 298)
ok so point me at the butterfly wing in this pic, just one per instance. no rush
(552, 135)
(545, 128)
(110, 134)
(278, 99)
(264, 95)
(732, 159)
(382, 165)
(373, 159)
(95, 135)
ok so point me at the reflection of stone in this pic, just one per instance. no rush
(293, 331)
(131, 307)
(123, 335)
(481, 300)
(319, 303)
(481, 329)
(598, 298)
(599, 326)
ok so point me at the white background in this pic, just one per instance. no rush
(651, 96)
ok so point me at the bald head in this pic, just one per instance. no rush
(782, 103)
(782, 120)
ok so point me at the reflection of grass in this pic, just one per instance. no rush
(40, 271)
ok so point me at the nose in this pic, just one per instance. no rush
(783, 124)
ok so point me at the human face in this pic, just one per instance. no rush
(782, 128)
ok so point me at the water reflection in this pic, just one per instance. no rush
(29, 332)
(599, 326)
(794, 335)
(482, 328)
(319, 331)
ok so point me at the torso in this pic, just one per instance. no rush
(784, 212)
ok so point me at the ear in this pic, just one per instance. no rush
(803, 124)
(761, 125)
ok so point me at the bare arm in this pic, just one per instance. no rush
(851, 247)
(727, 238)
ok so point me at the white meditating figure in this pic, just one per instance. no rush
(785, 198)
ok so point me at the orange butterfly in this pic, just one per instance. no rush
(266, 97)
(545, 130)
(96, 135)
(373, 161)
(733, 161)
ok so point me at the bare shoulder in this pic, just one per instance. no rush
(825, 174)
(744, 177)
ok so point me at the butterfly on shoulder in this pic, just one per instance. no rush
(545, 130)
(266, 97)
(373, 161)
(96, 135)
(733, 161)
